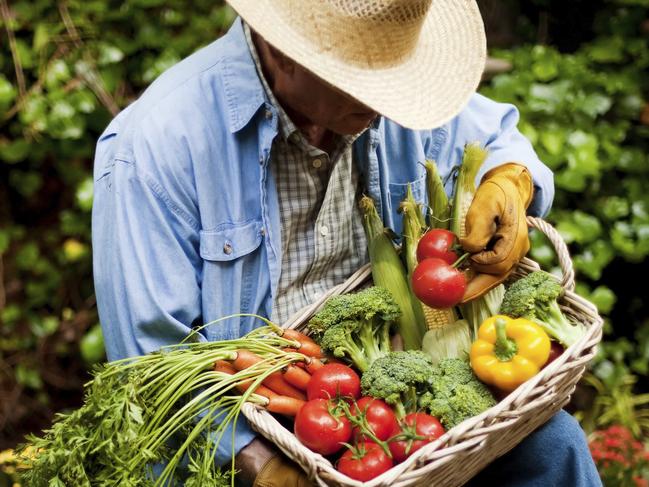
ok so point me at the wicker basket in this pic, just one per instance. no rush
(464, 450)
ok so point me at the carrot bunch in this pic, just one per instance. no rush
(282, 386)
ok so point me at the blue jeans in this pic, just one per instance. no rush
(555, 455)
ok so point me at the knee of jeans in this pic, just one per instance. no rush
(563, 432)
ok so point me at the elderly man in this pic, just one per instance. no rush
(230, 185)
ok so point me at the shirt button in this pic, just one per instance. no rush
(227, 249)
(324, 230)
(268, 114)
(317, 163)
(262, 232)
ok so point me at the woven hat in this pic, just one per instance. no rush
(416, 62)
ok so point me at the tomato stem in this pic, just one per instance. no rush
(461, 259)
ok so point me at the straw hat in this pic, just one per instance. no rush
(416, 62)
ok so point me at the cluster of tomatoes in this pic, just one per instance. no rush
(336, 417)
(436, 280)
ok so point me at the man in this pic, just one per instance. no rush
(230, 186)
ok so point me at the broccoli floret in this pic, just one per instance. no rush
(356, 326)
(399, 378)
(455, 393)
(534, 297)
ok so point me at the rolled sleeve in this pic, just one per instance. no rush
(495, 125)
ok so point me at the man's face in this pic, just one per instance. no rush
(321, 103)
(308, 99)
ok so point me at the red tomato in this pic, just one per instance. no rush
(437, 243)
(366, 461)
(334, 380)
(379, 416)
(319, 430)
(438, 284)
(413, 427)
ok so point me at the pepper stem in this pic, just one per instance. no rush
(505, 348)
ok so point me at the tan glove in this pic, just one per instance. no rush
(279, 471)
(496, 227)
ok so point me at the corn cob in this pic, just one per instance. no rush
(439, 211)
(388, 272)
(465, 188)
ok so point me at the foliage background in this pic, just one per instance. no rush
(579, 77)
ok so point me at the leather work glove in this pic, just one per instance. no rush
(496, 227)
(279, 471)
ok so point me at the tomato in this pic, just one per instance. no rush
(413, 428)
(366, 461)
(437, 243)
(321, 427)
(334, 380)
(380, 417)
(438, 284)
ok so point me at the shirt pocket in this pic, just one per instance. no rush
(230, 241)
(234, 279)
(397, 193)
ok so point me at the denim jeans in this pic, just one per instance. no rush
(555, 455)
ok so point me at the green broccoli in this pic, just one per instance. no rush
(356, 326)
(399, 378)
(535, 297)
(455, 393)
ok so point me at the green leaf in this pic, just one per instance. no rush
(553, 140)
(7, 93)
(28, 377)
(84, 194)
(92, 345)
(14, 151)
(603, 298)
(606, 50)
(109, 54)
(614, 207)
(41, 36)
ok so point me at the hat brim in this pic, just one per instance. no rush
(424, 92)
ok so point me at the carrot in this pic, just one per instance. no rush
(287, 406)
(274, 381)
(313, 364)
(297, 377)
(226, 367)
(307, 345)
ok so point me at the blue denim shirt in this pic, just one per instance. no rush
(185, 223)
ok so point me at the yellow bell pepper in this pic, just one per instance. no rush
(508, 352)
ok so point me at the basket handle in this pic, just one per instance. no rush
(567, 270)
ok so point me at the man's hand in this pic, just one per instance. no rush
(261, 465)
(496, 226)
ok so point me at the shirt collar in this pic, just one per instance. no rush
(286, 126)
(241, 85)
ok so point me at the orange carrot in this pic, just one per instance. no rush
(297, 377)
(226, 367)
(274, 381)
(287, 406)
(313, 364)
(307, 345)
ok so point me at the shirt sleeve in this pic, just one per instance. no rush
(495, 125)
(147, 267)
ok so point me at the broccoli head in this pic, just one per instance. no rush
(356, 326)
(534, 297)
(455, 393)
(399, 378)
